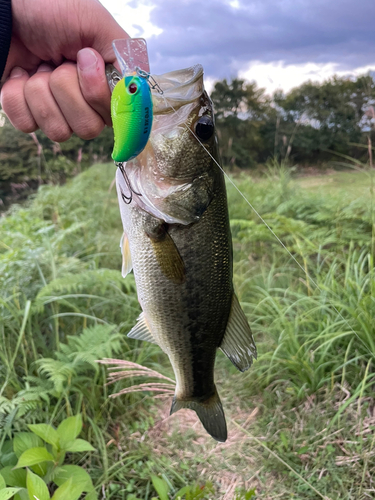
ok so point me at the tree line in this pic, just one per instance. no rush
(311, 125)
(29, 160)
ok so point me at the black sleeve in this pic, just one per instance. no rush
(5, 32)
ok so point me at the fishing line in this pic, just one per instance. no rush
(273, 233)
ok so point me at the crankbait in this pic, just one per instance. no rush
(131, 101)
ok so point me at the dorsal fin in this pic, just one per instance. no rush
(238, 342)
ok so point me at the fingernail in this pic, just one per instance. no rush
(44, 67)
(86, 59)
(17, 72)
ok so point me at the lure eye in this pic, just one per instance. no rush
(132, 88)
(204, 128)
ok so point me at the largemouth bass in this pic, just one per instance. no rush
(177, 239)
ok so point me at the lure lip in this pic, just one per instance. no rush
(131, 54)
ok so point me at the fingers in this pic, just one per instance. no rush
(13, 101)
(81, 117)
(93, 82)
(43, 106)
(60, 101)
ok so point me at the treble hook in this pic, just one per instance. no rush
(126, 199)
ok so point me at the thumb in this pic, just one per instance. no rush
(93, 82)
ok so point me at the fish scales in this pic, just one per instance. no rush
(177, 237)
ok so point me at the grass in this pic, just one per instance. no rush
(301, 420)
(350, 184)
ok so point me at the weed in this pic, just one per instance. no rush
(300, 421)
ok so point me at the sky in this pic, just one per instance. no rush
(279, 44)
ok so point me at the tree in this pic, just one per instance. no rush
(329, 116)
(28, 160)
(241, 109)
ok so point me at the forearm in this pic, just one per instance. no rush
(5, 32)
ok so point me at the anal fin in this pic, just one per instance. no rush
(127, 265)
(238, 342)
(141, 331)
(210, 412)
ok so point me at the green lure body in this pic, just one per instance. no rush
(131, 111)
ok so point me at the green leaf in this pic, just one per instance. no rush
(14, 477)
(6, 448)
(68, 490)
(10, 459)
(161, 487)
(7, 456)
(182, 492)
(2, 482)
(24, 441)
(34, 456)
(69, 429)
(46, 432)
(22, 495)
(284, 439)
(304, 449)
(92, 495)
(77, 473)
(40, 469)
(79, 445)
(36, 487)
(7, 493)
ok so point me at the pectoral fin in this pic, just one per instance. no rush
(127, 265)
(238, 342)
(167, 255)
(141, 331)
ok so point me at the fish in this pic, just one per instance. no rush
(177, 240)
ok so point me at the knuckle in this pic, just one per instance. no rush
(27, 126)
(94, 96)
(90, 129)
(62, 76)
(36, 85)
(59, 133)
(18, 113)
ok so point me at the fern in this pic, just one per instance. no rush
(59, 371)
(97, 342)
(98, 279)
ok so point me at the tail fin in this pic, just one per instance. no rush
(210, 413)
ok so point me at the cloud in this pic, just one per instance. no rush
(278, 76)
(227, 35)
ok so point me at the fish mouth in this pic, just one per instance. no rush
(183, 100)
(180, 87)
(170, 179)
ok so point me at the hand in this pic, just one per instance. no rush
(55, 73)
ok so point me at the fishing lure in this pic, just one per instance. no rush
(131, 101)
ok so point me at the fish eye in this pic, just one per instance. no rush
(132, 88)
(204, 128)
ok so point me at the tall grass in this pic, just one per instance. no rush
(315, 319)
(64, 305)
